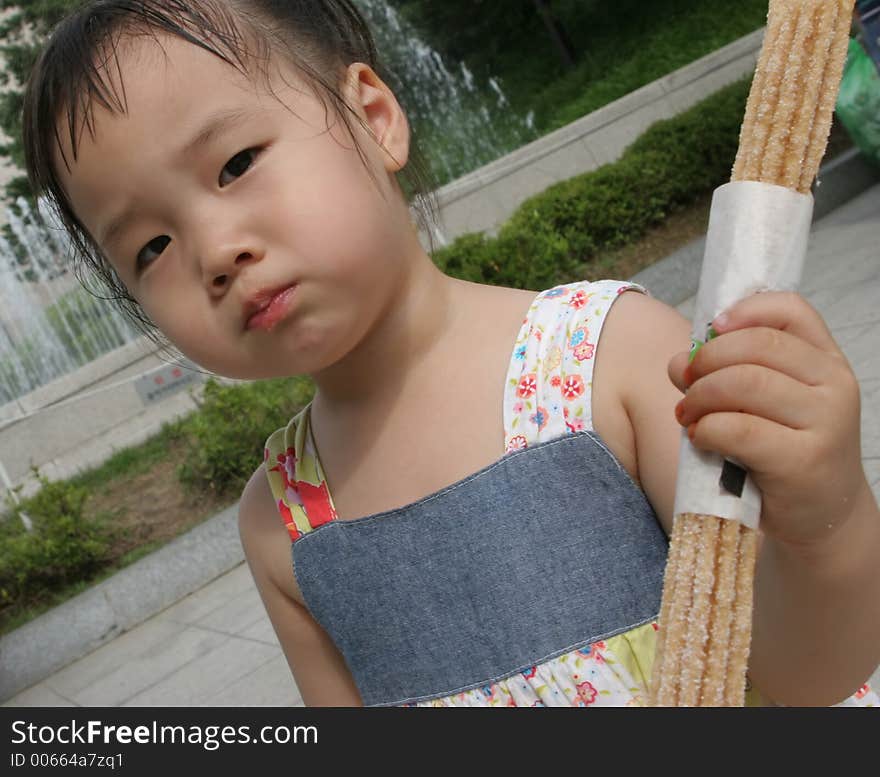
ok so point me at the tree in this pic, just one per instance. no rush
(557, 33)
(22, 32)
(462, 27)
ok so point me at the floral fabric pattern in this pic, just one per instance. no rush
(550, 378)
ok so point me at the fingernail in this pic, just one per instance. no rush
(720, 322)
(692, 430)
(679, 410)
(688, 375)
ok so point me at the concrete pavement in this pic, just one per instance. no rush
(216, 647)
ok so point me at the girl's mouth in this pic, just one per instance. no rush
(272, 308)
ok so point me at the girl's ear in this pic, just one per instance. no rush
(375, 103)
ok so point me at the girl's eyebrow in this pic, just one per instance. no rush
(214, 126)
(115, 226)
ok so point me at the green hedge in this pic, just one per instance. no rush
(225, 438)
(64, 547)
(553, 236)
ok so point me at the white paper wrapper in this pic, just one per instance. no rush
(757, 241)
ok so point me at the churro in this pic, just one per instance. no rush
(706, 610)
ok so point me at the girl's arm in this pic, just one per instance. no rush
(318, 667)
(816, 627)
(777, 394)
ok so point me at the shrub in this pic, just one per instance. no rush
(64, 546)
(552, 235)
(225, 438)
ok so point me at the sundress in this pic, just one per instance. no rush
(410, 595)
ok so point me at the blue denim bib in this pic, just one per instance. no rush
(548, 549)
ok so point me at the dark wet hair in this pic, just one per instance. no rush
(320, 38)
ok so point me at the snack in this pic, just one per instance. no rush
(706, 611)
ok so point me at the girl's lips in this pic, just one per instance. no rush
(276, 308)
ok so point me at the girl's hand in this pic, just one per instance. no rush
(775, 392)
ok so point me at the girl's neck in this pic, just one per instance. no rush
(419, 315)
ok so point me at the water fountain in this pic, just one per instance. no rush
(461, 123)
(49, 326)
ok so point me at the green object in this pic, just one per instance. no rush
(711, 334)
(858, 104)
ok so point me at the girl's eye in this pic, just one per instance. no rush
(238, 165)
(156, 246)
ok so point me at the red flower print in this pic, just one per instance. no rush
(555, 381)
(568, 424)
(584, 351)
(286, 467)
(517, 443)
(862, 692)
(575, 426)
(316, 503)
(540, 418)
(287, 517)
(592, 651)
(530, 673)
(587, 692)
(573, 387)
(528, 385)
(579, 299)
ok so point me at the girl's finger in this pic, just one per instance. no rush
(750, 389)
(760, 445)
(779, 310)
(778, 350)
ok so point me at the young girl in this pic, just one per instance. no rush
(478, 497)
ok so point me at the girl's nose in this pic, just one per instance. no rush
(221, 280)
(220, 269)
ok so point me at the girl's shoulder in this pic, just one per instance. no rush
(549, 387)
(642, 336)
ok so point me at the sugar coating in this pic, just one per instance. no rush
(706, 611)
(789, 111)
(674, 630)
(741, 629)
(712, 694)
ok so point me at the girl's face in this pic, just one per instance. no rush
(249, 231)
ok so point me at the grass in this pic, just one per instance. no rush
(129, 462)
(20, 616)
(643, 52)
